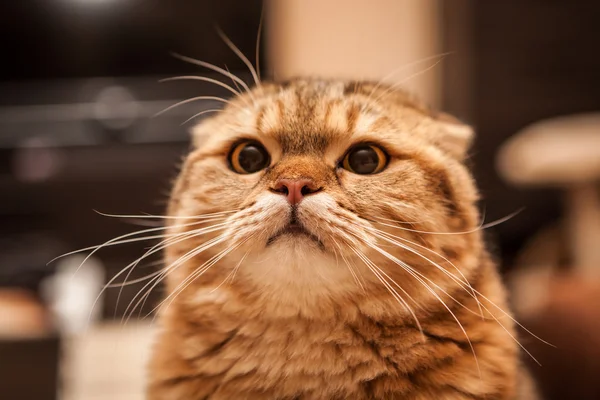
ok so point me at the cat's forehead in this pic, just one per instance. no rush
(310, 116)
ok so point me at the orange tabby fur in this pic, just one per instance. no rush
(297, 320)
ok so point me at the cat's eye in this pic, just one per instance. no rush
(248, 157)
(365, 159)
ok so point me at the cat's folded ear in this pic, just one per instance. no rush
(453, 136)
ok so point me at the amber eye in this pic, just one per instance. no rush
(248, 157)
(365, 159)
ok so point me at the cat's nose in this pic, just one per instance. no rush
(295, 189)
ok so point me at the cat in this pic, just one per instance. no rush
(324, 243)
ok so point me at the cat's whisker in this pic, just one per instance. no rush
(151, 285)
(238, 266)
(201, 78)
(239, 89)
(166, 243)
(513, 319)
(133, 281)
(464, 282)
(233, 272)
(403, 81)
(120, 240)
(199, 114)
(197, 98)
(402, 68)
(195, 275)
(174, 238)
(420, 277)
(214, 68)
(482, 226)
(415, 274)
(378, 274)
(241, 55)
(481, 306)
(354, 275)
(258, 35)
(153, 216)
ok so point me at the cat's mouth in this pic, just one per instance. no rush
(296, 229)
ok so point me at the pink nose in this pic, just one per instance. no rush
(295, 189)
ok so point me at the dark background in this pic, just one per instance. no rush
(517, 62)
(60, 56)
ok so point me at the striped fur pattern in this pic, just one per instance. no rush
(393, 297)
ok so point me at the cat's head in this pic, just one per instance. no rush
(324, 189)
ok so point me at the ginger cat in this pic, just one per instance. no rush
(326, 245)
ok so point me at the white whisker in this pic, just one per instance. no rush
(480, 227)
(197, 98)
(214, 68)
(241, 55)
(201, 78)
(377, 272)
(199, 114)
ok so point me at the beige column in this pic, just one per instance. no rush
(357, 39)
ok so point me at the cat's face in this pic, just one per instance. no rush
(322, 187)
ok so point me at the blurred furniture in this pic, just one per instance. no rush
(555, 281)
(562, 152)
(513, 63)
(78, 131)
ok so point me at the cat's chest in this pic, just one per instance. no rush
(290, 356)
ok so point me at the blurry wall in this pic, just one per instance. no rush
(359, 39)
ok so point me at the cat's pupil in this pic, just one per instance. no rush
(252, 158)
(363, 160)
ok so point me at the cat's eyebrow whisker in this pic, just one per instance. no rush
(402, 68)
(197, 98)
(214, 68)
(239, 89)
(258, 35)
(241, 55)
(201, 78)
(403, 81)
(199, 114)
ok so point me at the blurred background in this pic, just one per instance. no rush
(79, 92)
